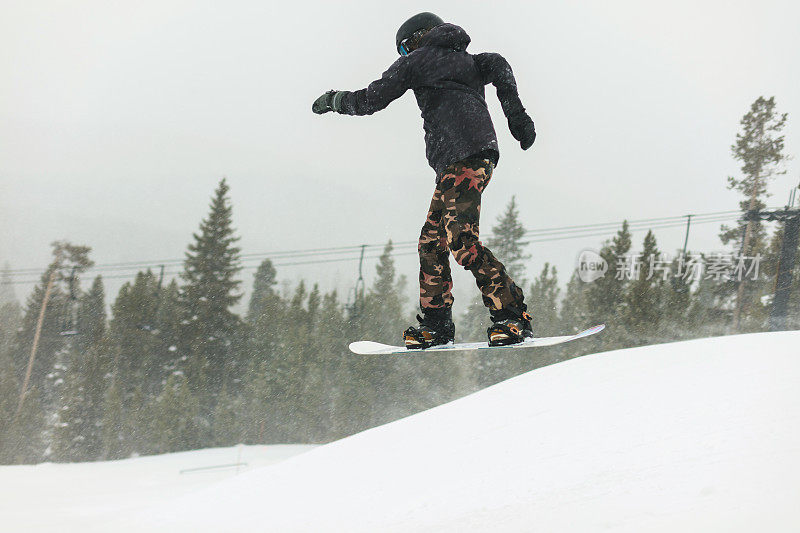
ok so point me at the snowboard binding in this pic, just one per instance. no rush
(435, 328)
(510, 326)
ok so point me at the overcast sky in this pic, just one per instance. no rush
(117, 120)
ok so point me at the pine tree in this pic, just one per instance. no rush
(175, 420)
(143, 337)
(315, 391)
(759, 147)
(264, 295)
(367, 384)
(261, 360)
(332, 344)
(384, 300)
(227, 419)
(68, 262)
(10, 321)
(20, 435)
(78, 434)
(8, 403)
(543, 302)
(208, 293)
(259, 419)
(769, 267)
(115, 443)
(7, 294)
(711, 308)
(300, 370)
(676, 298)
(286, 373)
(91, 316)
(266, 317)
(168, 318)
(642, 307)
(574, 314)
(507, 245)
(135, 331)
(605, 297)
(50, 362)
(50, 340)
(143, 424)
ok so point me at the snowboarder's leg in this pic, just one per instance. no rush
(462, 185)
(435, 281)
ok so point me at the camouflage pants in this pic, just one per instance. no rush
(452, 226)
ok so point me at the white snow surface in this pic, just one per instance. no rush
(701, 435)
(65, 497)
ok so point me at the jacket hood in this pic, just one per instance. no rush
(446, 36)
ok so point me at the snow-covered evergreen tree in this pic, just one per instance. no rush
(574, 314)
(507, 243)
(175, 423)
(675, 299)
(542, 300)
(115, 431)
(759, 147)
(78, 432)
(209, 291)
(20, 431)
(7, 293)
(266, 317)
(91, 324)
(384, 313)
(642, 308)
(136, 332)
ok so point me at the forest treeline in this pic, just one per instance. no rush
(172, 367)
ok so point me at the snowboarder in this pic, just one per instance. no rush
(461, 146)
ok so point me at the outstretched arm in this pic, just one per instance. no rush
(495, 69)
(380, 93)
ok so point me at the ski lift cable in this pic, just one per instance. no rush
(539, 235)
(544, 238)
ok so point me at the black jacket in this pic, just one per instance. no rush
(448, 84)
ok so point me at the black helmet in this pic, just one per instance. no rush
(420, 21)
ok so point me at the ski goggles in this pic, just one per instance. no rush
(409, 44)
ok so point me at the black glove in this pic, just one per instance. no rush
(330, 101)
(522, 128)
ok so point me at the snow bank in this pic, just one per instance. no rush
(694, 436)
(61, 497)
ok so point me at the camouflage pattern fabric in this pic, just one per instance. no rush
(452, 225)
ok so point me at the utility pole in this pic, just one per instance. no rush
(686, 239)
(359, 287)
(783, 279)
(36, 336)
(360, 281)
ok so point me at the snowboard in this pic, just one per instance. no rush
(376, 348)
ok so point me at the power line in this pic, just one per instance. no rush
(351, 253)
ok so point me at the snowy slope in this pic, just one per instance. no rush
(58, 497)
(694, 436)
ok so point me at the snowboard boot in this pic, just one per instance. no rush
(510, 325)
(435, 328)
